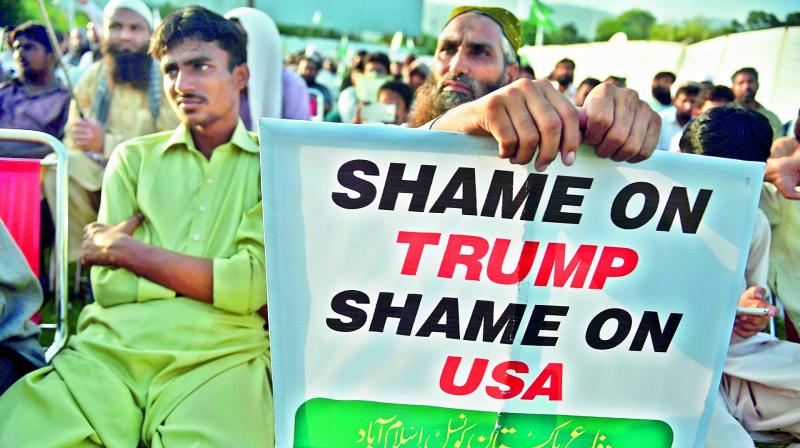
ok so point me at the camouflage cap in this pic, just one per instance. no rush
(506, 19)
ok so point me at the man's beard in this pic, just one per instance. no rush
(565, 80)
(662, 95)
(128, 67)
(747, 96)
(432, 101)
(31, 76)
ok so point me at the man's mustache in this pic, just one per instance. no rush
(190, 96)
(463, 79)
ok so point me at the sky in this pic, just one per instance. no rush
(676, 10)
(668, 10)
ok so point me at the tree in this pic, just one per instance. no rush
(636, 23)
(690, 30)
(761, 20)
(793, 19)
(11, 12)
(567, 34)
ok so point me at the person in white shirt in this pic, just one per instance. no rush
(562, 77)
(675, 119)
(661, 91)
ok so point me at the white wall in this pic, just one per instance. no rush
(775, 53)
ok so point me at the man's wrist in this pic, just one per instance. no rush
(125, 251)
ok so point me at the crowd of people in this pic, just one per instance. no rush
(165, 207)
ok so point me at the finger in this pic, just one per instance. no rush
(633, 144)
(90, 229)
(599, 113)
(791, 194)
(547, 122)
(570, 125)
(773, 310)
(626, 104)
(129, 226)
(499, 125)
(744, 333)
(651, 139)
(527, 134)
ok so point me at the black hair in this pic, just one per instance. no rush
(662, 75)
(401, 89)
(690, 89)
(747, 70)
(716, 93)
(34, 32)
(196, 22)
(797, 126)
(593, 82)
(566, 61)
(378, 58)
(732, 132)
(527, 68)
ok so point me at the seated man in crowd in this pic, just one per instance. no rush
(562, 76)
(584, 88)
(715, 96)
(661, 91)
(784, 219)
(35, 100)
(393, 105)
(20, 298)
(760, 388)
(120, 98)
(308, 68)
(675, 119)
(744, 84)
(173, 352)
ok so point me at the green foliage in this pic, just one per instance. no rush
(567, 34)
(760, 20)
(636, 23)
(690, 31)
(11, 12)
(639, 24)
(14, 12)
(792, 19)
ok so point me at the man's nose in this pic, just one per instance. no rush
(459, 64)
(183, 83)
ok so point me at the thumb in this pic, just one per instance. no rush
(131, 224)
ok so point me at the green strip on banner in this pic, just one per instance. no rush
(329, 423)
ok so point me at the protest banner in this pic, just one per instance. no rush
(425, 293)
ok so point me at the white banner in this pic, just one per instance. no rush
(424, 292)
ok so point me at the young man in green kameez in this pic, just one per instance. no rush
(173, 352)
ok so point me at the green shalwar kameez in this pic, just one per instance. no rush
(148, 367)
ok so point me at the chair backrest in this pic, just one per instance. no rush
(317, 102)
(20, 198)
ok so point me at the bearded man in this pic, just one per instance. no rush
(35, 100)
(121, 98)
(461, 77)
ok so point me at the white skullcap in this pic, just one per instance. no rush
(137, 6)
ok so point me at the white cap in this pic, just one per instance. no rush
(137, 6)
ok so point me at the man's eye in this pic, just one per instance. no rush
(202, 67)
(172, 73)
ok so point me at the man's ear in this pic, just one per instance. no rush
(511, 73)
(51, 60)
(241, 74)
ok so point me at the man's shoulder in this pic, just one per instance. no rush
(145, 143)
(90, 77)
(767, 113)
(6, 86)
